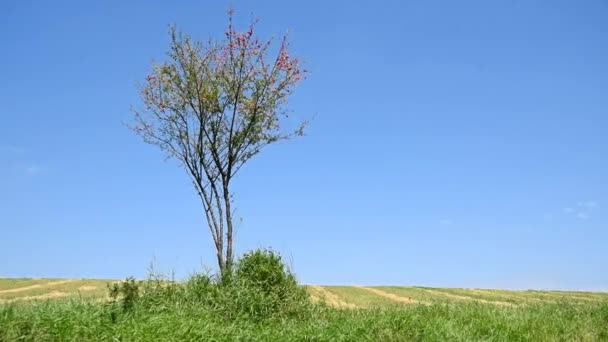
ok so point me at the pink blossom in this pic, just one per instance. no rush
(283, 60)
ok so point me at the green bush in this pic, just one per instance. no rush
(262, 287)
(126, 292)
(264, 269)
(199, 286)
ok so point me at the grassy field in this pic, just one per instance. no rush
(79, 309)
(27, 290)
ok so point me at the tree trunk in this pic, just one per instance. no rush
(220, 261)
(229, 256)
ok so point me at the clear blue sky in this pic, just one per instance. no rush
(453, 144)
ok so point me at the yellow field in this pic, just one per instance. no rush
(381, 296)
(23, 290)
(30, 289)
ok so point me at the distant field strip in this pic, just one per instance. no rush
(393, 297)
(542, 296)
(87, 288)
(513, 297)
(18, 290)
(462, 297)
(555, 295)
(36, 286)
(50, 295)
(330, 298)
(22, 290)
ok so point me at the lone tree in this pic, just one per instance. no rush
(213, 106)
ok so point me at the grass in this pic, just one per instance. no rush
(202, 309)
(77, 320)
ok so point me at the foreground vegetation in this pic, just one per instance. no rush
(263, 302)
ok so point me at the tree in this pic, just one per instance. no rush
(213, 106)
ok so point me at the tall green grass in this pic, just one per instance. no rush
(262, 302)
(191, 321)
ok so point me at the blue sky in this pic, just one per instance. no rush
(453, 144)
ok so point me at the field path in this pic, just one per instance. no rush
(392, 296)
(87, 288)
(331, 298)
(50, 295)
(556, 296)
(37, 286)
(451, 295)
(514, 296)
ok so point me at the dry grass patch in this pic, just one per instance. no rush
(36, 286)
(463, 297)
(46, 296)
(83, 288)
(331, 299)
(87, 288)
(392, 296)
